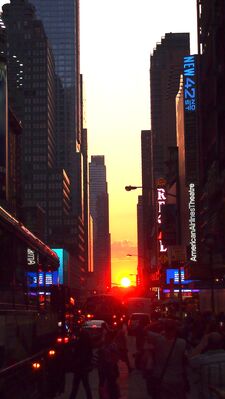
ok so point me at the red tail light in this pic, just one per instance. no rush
(36, 366)
(51, 353)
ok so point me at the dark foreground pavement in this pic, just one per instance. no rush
(132, 386)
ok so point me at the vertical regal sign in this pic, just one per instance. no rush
(161, 198)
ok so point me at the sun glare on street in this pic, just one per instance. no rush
(125, 282)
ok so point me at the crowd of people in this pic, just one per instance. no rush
(177, 358)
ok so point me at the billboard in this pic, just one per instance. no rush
(63, 264)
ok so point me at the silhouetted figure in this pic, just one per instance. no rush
(108, 368)
(121, 343)
(82, 365)
(140, 335)
(208, 362)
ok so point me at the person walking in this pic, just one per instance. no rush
(121, 342)
(208, 363)
(108, 370)
(82, 365)
(167, 379)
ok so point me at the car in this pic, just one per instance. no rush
(96, 329)
(134, 321)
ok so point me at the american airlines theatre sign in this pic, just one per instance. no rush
(192, 222)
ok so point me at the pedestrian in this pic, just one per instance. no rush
(208, 362)
(108, 370)
(140, 335)
(82, 365)
(121, 342)
(167, 378)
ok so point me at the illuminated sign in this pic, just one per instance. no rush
(192, 222)
(31, 258)
(63, 263)
(161, 198)
(174, 274)
(189, 83)
(190, 118)
(42, 279)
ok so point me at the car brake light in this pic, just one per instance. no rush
(36, 366)
(51, 352)
(66, 339)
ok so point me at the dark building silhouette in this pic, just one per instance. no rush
(147, 205)
(61, 22)
(99, 208)
(140, 242)
(165, 68)
(46, 186)
(211, 47)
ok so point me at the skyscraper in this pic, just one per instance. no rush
(61, 22)
(99, 208)
(166, 66)
(165, 69)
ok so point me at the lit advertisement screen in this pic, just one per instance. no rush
(174, 274)
(63, 263)
(42, 279)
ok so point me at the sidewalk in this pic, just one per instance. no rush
(132, 386)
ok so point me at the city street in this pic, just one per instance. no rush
(132, 386)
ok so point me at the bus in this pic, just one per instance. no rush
(28, 324)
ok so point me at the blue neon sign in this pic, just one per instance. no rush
(174, 274)
(190, 83)
(42, 279)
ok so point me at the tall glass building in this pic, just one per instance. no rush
(61, 22)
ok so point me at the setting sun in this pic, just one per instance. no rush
(125, 282)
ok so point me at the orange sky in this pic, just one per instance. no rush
(117, 38)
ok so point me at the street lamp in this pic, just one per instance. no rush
(130, 188)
